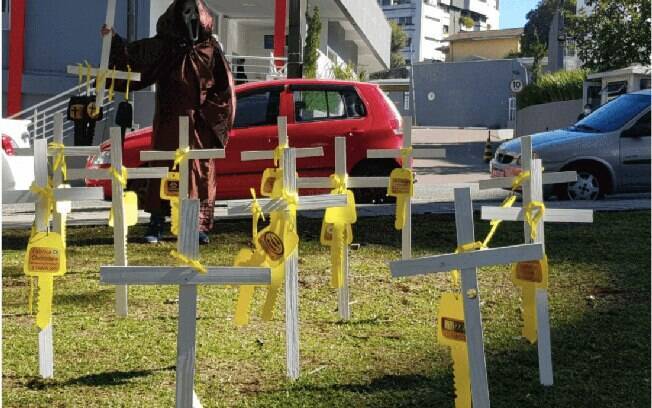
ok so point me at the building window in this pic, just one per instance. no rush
(445, 29)
(6, 14)
(408, 43)
(404, 21)
(645, 83)
(406, 101)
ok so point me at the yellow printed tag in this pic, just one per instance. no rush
(170, 186)
(451, 332)
(278, 240)
(530, 276)
(450, 322)
(344, 215)
(272, 178)
(401, 183)
(131, 209)
(45, 255)
(326, 236)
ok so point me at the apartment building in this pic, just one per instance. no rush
(428, 23)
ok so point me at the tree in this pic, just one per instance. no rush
(615, 35)
(399, 41)
(538, 25)
(311, 56)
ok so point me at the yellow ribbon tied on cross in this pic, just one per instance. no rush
(401, 186)
(59, 158)
(46, 194)
(451, 332)
(179, 156)
(193, 263)
(336, 231)
(531, 275)
(471, 246)
(45, 258)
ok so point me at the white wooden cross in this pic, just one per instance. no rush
(102, 72)
(118, 206)
(41, 221)
(343, 294)
(532, 190)
(243, 207)
(406, 237)
(187, 278)
(467, 263)
(184, 167)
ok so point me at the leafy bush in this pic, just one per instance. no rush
(553, 87)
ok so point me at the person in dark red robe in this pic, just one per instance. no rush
(192, 78)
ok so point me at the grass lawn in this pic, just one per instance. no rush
(387, 356)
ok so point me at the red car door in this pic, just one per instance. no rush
(254, 129)
(322, 112)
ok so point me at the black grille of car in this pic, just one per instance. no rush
(504, 158)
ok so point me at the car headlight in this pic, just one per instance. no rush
(103, 158)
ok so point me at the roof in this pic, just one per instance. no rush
(486, 35)
(633, 69)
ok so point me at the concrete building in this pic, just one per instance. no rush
(490, 44)
(428, 23)
(45, 36)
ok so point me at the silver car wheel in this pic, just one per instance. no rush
(587, 187)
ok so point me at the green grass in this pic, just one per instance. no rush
(387, 356)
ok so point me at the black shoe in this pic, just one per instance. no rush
(203, 238)
(153, 234)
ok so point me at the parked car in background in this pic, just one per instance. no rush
(318, 111)
(17, 171)
(609, 149)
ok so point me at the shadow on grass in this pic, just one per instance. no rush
(86, 298)
(110, 378)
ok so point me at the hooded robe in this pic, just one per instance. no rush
(191, 80)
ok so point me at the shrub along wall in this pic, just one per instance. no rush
(553, 87)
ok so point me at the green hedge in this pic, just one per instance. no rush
(554, 87)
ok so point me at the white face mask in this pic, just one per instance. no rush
(190, 16)
(587, 111)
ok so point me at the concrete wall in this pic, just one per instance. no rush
(371, 24)
(61, 33)
(547, 116)
(467, 94)
(347, 50)
(462, 50)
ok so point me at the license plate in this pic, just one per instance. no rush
(497, 173)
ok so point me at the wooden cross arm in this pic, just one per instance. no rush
(302, 153)
(18, 197)
(69, 151)
(170, 275)
(74, 70)
(353, 182)
(316, 202)
(548, 178)
(79, 194)
(550, 214)
(104, 174)
(474, 259)
(199, 154)
(416, 153)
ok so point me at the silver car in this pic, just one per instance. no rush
(609, 149)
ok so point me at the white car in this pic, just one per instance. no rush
(17, 171)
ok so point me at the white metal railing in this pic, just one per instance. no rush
(42, 114)
(248, 68)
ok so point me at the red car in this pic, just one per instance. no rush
(317, 112)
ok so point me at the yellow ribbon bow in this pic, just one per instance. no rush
(112, 87)
(339, 183)
(533, 217)
(278, 153)
(193, 263)
(47, 194)
(406, 153)
(471, 246)
(519, 179)
(179, 156)
(120, 177)
(60, 158)
(88, 77)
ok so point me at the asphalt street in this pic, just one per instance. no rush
(436, 180)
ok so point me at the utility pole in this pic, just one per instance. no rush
(557, 40)
(131, 20)
(297, 21)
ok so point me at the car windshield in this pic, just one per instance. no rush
(613, 115)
